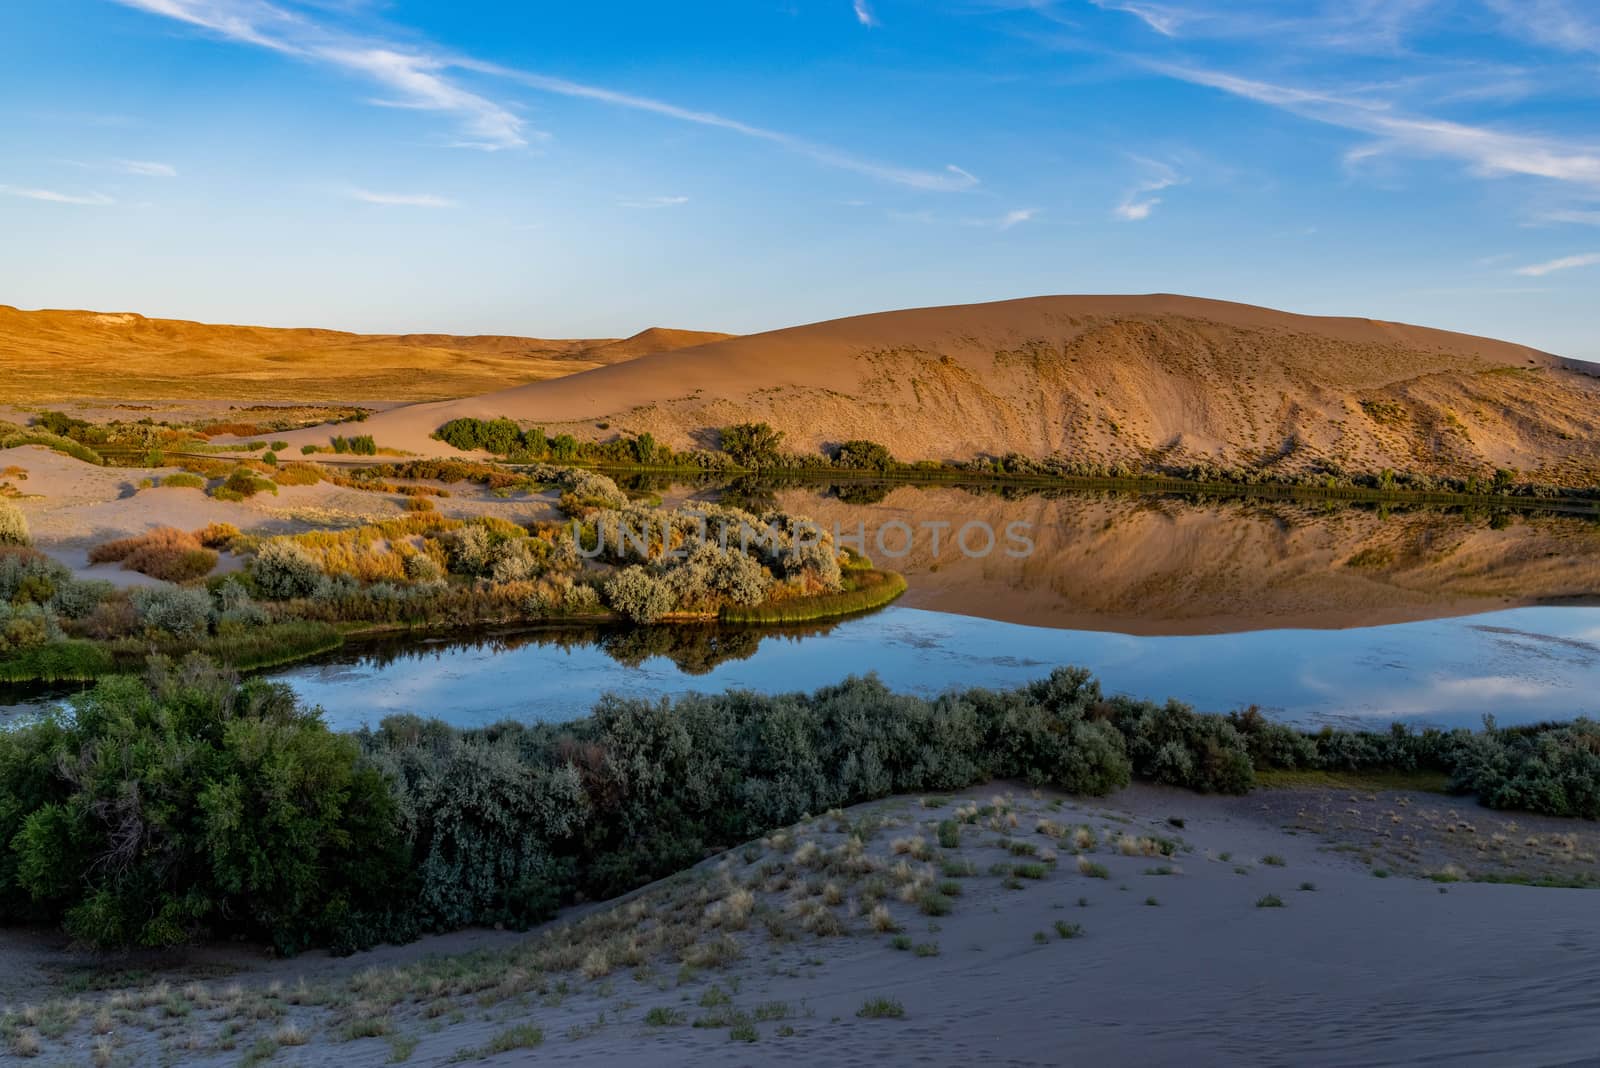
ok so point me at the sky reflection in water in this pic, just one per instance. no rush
(1520, 665)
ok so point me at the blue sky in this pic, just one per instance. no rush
(592, 169)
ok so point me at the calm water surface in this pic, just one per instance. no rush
(1519, 665)
(1318, 613)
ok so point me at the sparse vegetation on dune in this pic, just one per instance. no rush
(757, 447)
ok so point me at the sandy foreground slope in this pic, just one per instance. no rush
(1104, 378)
(52, 356)
(1037, 956)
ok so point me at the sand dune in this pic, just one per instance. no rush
(55, 355)
(1107, 378)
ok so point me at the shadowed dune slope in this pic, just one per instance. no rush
(1140, 379)
(55, 355)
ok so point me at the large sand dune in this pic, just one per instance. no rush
(1109, 378)
(50, 356)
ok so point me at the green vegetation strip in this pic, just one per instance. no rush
(83, 660)
(865, 590)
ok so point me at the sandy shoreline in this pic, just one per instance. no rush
(1179, 960)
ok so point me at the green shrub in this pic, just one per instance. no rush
(183, 613)
(187, 805)
(638, 595)
(183, 480)
(752, 444)
(863, 455)
(283, 570)
(242, 484)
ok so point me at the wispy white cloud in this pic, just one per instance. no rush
(54, 197)
(654, 202)
(418, 83)
(950, 180)
(147, 168)
(1549, 22)
(1487, 151)
(1139, 202)
(426, 78)
(403, 200)
(1565, 263)
(1580, 216)
(1005, 221)
(864, 14)
(1163, 20)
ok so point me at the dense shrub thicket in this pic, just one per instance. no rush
(185, 804)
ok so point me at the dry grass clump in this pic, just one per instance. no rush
(915, 845)
(217, 535)
(165, 553)
(883, 921)
(298, 475)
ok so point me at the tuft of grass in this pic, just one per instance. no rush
(926, 949)
(1092, 869)
(1269, 901)
(1029, 871)
(954, 868)
(662, 1016)
(1380, 873)
(881, 1008)
(933, 903)
(524, 1036)
(949, 834)
(1308, 886)
(401, 1047)
(901, 942)
(1069, 930)
(1152, 902)
(1272, 860)
(366, 1027)
(744, 1031)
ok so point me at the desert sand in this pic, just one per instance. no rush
(1156, 378)
(54, 356)
(1042, 957)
